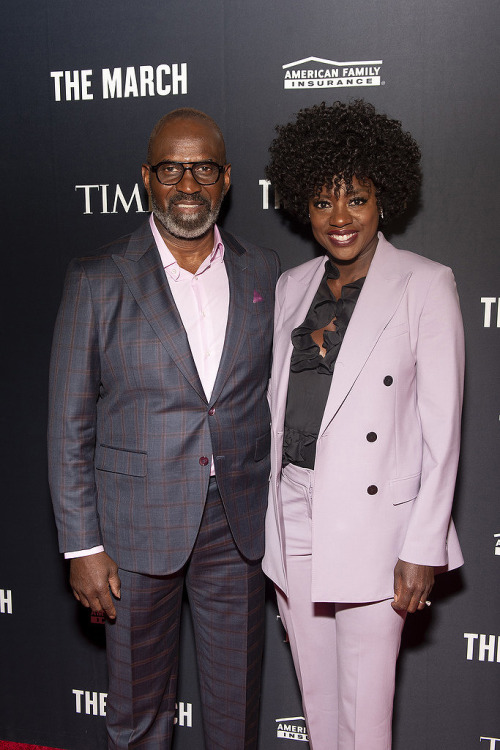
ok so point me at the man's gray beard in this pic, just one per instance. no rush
(188, 227)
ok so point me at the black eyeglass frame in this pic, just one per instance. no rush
(154, 168)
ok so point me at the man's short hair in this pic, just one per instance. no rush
(184, 113)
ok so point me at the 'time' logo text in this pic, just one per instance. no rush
(105, 199)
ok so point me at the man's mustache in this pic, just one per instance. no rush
(187, 198)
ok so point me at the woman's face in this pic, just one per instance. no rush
(346, 226)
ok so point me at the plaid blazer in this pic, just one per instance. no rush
(130, 427)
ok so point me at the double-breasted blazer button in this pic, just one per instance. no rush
(211, 411)
(372, 489)
(203, 461)
(388, 380)
(371, 437)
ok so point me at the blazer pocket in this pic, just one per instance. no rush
(263, 446)
(121, 461)
(395, 330)
(405, 490)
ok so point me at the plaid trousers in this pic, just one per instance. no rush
(226, 597)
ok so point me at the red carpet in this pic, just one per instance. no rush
(17, 746)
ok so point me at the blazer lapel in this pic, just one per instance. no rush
(239, 268)
(381, 294)
(144, 274)
(301, 286)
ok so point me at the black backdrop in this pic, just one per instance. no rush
(83, 83)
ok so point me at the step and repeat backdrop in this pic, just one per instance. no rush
(83, 84)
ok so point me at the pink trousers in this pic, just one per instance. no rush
(344, 654)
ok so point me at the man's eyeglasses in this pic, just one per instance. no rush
(172, 172)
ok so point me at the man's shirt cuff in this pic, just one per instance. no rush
(84, 552)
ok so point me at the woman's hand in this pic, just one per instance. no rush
(412, 586)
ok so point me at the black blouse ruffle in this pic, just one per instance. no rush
(324, 308)
(310, 373)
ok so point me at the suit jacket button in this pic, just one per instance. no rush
(371, 437)
(212, 411)
(203, 461)
(388, 380)
(372, 489)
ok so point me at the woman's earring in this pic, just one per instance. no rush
(381, 213)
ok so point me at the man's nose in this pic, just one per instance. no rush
(187, 184)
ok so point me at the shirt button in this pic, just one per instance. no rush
(211, 411)
(203, 461)
(388, 380)
(371, 437)
(372, 489)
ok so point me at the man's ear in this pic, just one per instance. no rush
(146, 175)
(227, 178)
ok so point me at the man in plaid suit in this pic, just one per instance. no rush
(159, 444)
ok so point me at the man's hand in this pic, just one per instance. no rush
(91, 577)
(412, 586)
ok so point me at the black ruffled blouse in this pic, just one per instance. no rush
(310, 373)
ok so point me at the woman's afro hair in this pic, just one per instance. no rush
(329, 145)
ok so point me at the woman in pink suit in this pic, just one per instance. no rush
(366, 396)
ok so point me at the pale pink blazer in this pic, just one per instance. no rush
(399, 374)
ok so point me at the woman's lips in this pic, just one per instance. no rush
(342, 238)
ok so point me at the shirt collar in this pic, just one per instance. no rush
(170, 264)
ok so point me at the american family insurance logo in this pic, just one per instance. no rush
(317, 73)
(292, 728)
(497, 544)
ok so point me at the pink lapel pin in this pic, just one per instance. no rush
(257, 297)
